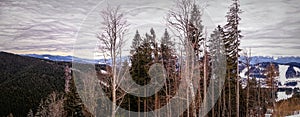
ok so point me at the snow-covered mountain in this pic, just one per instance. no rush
(288, 72)
(261, 59)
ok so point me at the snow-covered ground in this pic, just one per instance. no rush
(283, 96)
(297, 69)
(281, 79)
(282, 72)
(297, 114)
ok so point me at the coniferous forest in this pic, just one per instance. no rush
(186, 72)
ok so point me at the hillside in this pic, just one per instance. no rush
(25, 81)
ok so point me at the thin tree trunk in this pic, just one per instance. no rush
(259, 92)
(229, 95)
(248, 87)
(237, 70)
(237, 92)
(145, 103)
(205, 82)
(114, 101)
(139, 106)
(224, 103)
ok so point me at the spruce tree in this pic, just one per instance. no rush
(141, 60)
(166, 40)
(140, 64)
(136, 42)
(168, 56)
(232, 43)
(196, 29)
(72, 103)
(218, 61)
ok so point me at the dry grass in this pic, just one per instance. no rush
(287, 107)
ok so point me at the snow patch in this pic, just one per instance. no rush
(283, 96)
(282, 72)
(104, 72)
(242, 74)
(297, 69)
(295, 115)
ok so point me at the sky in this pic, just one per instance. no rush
(62, 27)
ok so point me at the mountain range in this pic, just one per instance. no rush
(254, 59)
(257, 67)
(70, 58)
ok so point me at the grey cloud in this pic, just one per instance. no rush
(53, 24)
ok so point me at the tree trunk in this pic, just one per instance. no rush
(229, 95)
(237, 97)
(248, 87)
(205, 83)
(114, 101)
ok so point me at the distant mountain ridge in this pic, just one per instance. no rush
(292, 62)
(254, 59)
(282, 60)
(70, 58)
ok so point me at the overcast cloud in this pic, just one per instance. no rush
(269, 27)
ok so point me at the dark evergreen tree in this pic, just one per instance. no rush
(72, 104)
(217, 61)
(135, 42)
(195, 33)
(141, 60)
(232, 43)
(166, 40)
(168, 56)
(140, 64)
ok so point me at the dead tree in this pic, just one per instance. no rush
(246, 61)
(185, 20)
(113, 28)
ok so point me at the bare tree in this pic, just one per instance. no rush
(178, 19)
(185, 19)
(271, 74)
(246, 61)
(52, 106)
(114, 27)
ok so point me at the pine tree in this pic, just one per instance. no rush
(232, 43)
(140, 64)
(72, 103)
(166, 40)
(136, 42)
(196, 29)
(168, 55)
(169, 60)
(153, 35)
(141, 60)
(218, 61)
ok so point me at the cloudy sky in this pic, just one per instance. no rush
(269, 27)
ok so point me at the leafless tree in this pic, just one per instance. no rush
(52, 106)
(114, 27)
(188, 30)
(246, 61)
(271, 74)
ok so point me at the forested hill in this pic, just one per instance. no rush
(24, 81)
